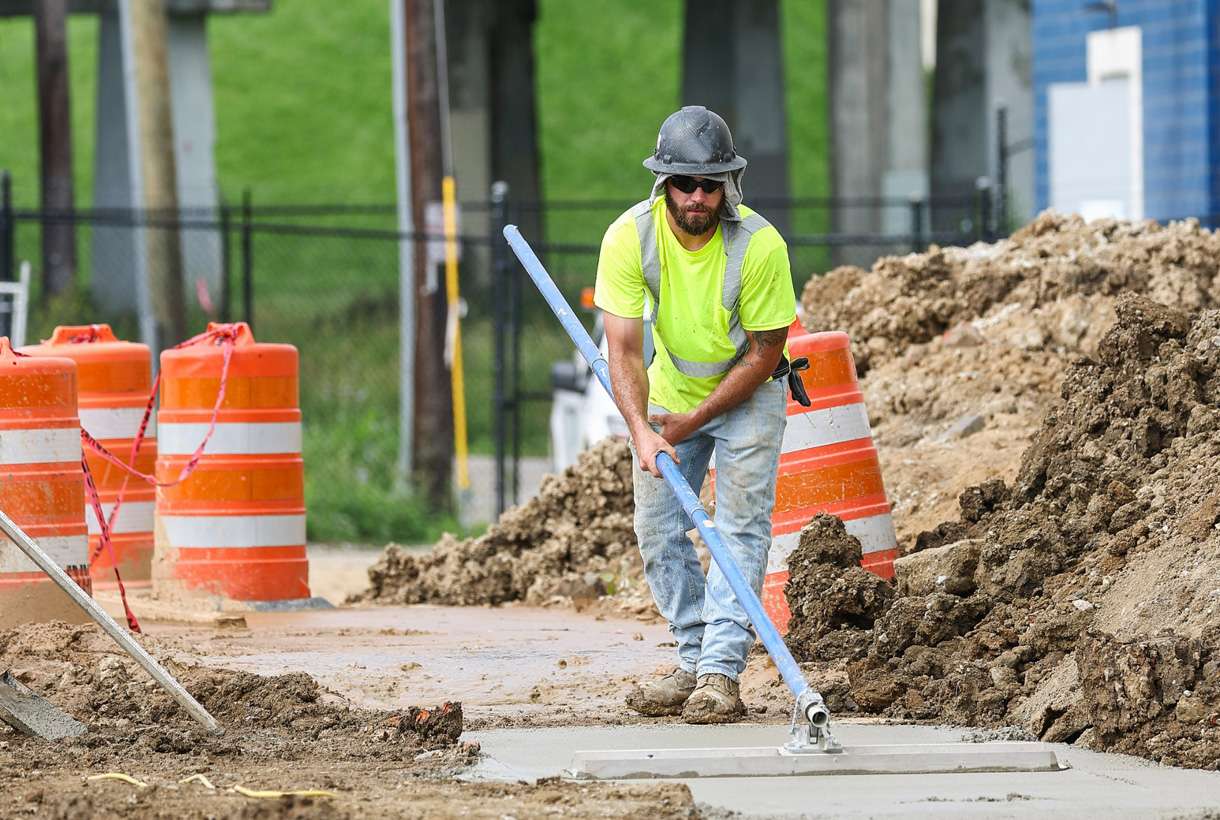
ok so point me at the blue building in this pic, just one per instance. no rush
(1127, 107)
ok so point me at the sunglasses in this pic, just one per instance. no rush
(687, 185)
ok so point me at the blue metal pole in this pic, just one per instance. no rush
(809, 701)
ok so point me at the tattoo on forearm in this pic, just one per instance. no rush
(761, 340)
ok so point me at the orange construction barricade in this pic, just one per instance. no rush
(41, 485)
(235, 527)
(828, 465)
(114, 378)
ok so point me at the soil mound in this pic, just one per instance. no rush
(961, 350)
(278, 718)
(1080, 602)
(574, 539)
(849, 599)
(1059, 273)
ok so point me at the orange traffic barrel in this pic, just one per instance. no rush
(235, 527)
(41, 485)
(828, 464)
(114, 379)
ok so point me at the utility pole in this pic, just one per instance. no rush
(433, 449)
(55, 147)
(148, 28)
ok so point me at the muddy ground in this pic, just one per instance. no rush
(285, 732)
(1081, 601)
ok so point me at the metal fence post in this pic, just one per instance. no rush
(514, 369)
(982, 209)
(226, 264)
(918, 241)
(247, 256)
(1001, 169)
(8, 229)
(499, 273)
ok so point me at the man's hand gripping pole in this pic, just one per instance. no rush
(811, 718)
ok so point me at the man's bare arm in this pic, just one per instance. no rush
(625, 339)
(629, 378)
(751, 370)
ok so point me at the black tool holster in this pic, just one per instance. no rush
(792, 370)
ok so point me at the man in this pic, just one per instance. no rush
(717, 283)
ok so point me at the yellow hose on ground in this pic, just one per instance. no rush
(453, 295)
(275, 794)
(124, 778)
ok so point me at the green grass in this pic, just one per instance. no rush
(19, 113)
(803, 26)
(303, 103)
(608, 74)
(303, 112)
(351, 435)
(595, 134)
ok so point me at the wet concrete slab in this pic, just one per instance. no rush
(507, 663)
(1094, 784)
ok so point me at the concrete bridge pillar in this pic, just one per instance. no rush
(732, 63)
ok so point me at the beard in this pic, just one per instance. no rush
(695, 220)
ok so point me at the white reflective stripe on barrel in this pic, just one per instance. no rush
(116, 422)
(876, 533)
(832, 425)
(230, 438)
(43, 445)
(223, 531)
(65, 550)
(134, 516)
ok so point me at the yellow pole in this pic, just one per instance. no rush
(452, 293)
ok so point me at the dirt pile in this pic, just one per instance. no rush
(1050, 285)
(849, 599)
(574, 539)
(940, 407)
(962, 349)
(284, 717)
(1081, 602)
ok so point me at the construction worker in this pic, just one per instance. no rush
(714, 277)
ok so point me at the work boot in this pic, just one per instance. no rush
(663, 696)
(717, 699)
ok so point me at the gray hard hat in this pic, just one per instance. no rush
(694, 141)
